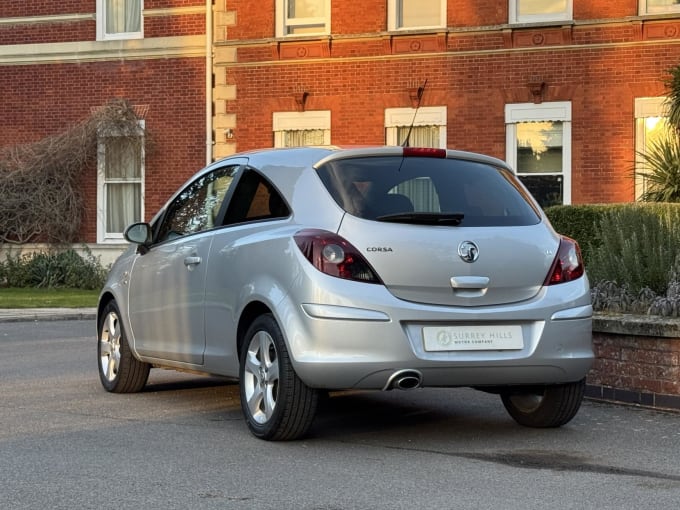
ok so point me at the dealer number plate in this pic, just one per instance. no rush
(472, 338)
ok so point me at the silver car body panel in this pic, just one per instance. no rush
(345, 334)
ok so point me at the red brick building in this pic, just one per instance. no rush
(59, 61)
(565, 90)
(561, 89)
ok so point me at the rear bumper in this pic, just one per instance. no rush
(343, 347)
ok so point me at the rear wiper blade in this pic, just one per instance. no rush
(423, 218)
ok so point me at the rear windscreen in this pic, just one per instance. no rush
(392, 188)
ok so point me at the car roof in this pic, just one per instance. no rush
(316, 156)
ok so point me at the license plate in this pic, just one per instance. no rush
(472, 338)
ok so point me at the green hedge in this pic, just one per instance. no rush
(631, 252)
(53, 269)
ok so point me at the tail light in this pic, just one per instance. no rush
(334, 256)
(424, 152)
(568, 264)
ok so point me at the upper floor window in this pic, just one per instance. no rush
(528, 11)
(297, 129)
(119, 19)
(538, 147)
(303, 17)
(659, 6)
(408, 14)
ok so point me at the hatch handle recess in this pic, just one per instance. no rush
(469, 282)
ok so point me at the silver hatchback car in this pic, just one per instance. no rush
(300, 271)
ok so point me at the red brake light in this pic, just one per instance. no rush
(334, 256)
(424, 152)
(568, 264)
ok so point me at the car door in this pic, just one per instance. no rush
(167, 283)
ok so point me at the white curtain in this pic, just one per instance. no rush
(123, 181)
(421, 136)
(303, 138)
(123, 16)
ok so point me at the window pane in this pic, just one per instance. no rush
(419, 13)
(660, 5)
(546, 189)
(534, 7)
(123, 206)
(421, 136)
(123, 16)
(306, 8)
(539, 147)
(655, 130)
(123, 158)
(301, 138)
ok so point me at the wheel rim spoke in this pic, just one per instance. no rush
(261, 377)
(109, 347)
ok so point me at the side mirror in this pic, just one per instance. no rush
(139, 233)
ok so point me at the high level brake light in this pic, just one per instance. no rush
(424, 152)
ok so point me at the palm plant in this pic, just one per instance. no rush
(661, 175)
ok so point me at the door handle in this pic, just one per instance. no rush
(192, 261)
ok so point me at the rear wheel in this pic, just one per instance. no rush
(544, 406)
(276, 404)
(119, 370)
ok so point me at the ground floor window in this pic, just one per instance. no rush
(298, 129)
(651, 128)
(538, 147)
(120, 184)
(424, 127)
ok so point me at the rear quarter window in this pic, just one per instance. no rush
(376, 187)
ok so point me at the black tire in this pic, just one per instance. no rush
(544, 406)
(276, 404)
(119, 370)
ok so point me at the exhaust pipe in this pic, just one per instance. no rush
(406, 379)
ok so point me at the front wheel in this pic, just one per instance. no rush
(276, 404)
(544, 406)
(119, 370)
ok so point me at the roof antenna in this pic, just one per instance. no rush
(421, 90)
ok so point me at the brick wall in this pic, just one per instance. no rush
(43, 100)
(636, 369)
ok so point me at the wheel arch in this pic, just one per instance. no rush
(251, 312)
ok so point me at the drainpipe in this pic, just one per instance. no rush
(208, 81)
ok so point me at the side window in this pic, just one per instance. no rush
(198, 206)
(255, 199)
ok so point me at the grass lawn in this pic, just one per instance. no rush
(48, 298)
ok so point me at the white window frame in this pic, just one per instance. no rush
(424, 116)
(645, 107)
(515, 17)
(104, 237)
(283, 22)
(645, 9)
(393, 16)
(102, 35)
(301, 121)
(530, 112)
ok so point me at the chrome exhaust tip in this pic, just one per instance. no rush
(406, 379)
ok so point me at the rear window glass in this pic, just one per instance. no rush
(405, 189)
